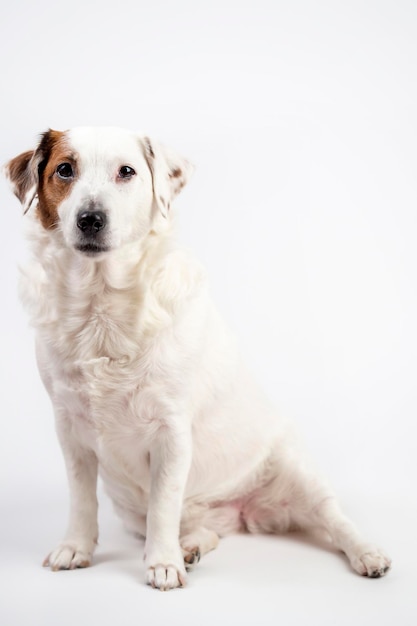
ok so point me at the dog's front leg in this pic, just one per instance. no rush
(76, 549)
(170, 458)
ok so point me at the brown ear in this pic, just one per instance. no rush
(24, 170)
(23, 178)
(170, 173)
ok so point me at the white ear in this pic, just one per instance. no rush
(170, 173)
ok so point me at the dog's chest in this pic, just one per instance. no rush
(106, 326)
(106, 370)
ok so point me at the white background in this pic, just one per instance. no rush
(301, 119)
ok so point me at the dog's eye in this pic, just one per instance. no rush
(64, 170)
(126, 172)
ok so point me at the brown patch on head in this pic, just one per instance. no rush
(52, 189)
(33, 174)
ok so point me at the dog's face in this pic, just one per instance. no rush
(99, 187)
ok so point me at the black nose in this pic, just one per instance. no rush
(91, 222)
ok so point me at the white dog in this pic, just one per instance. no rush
(146, 382)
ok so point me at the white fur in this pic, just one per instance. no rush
(148, 387)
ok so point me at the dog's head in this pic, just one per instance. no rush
(100, 187)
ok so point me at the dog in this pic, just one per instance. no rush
(147, 384)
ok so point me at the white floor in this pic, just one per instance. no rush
(249, 579)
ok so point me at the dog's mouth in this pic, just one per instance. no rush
(92, 249)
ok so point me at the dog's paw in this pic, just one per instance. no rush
(165, 567)
(165, 577)
(192, 557)
(195, 544)
(372, 563)
(69, 555)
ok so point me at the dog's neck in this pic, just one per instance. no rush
(110, 306)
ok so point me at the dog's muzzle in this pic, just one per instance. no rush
(91, 225)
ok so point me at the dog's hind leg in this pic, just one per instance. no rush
(365, 558)
(295, 497)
